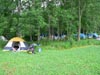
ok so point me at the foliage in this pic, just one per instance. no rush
(2, 44)
(31, 18)
(60, 45)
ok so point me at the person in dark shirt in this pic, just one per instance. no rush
(31, 48)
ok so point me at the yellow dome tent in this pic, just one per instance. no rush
(16, 42)
(17, 39)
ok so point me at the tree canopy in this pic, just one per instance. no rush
(32, 18)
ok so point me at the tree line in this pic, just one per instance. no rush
(32, 18)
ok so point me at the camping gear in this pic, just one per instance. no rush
(39, 50)
(16, 43)
(31, 48)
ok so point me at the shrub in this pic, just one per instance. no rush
(2, 43)
(59, 45)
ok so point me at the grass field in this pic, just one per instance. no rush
(76, 61)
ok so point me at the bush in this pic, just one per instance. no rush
(60, 45)
(2, 43)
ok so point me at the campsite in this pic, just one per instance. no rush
(49, 37)
(77, 61)
(80, 59)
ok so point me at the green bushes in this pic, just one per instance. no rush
(2, 43)
(59, 45)
(85, 42)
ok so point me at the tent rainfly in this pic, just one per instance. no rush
(16, 42)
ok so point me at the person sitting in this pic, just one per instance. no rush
(31, 48)
(15, 48)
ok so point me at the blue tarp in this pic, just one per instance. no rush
(82, 35)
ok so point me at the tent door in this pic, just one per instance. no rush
(16, 45)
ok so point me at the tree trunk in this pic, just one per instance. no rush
(31, 37)
(49, 27)
(18, 33)
(79, 22)
(38, 34)
(52, 33)
(58, 32)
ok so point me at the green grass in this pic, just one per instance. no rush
(75, 61)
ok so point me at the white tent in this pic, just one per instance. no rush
(16, 41)
(3, 38)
